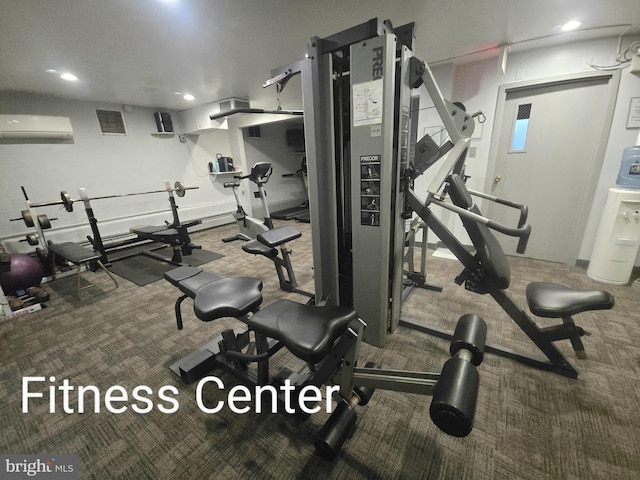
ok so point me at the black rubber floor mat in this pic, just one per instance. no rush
(142, 269)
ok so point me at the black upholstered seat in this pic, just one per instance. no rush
(217, 296)
(267, 241)
(278, 236)
(228, 297)
(257, 248)
(551, 300)
(190, 279)
(307, 331)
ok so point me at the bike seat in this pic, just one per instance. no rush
(552, 300)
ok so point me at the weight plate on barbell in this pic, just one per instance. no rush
(28, 219)
(179, 188)
(66, 201)
(32, 239)
(44, 222)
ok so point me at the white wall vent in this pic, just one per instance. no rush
(232, 104)
(35, 126)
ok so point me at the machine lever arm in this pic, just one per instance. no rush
(523, 232)
(524, 209)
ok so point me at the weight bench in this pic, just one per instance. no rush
(487, 271)
(266, 245)
(175, 236)
(327, 339)
(78, 255)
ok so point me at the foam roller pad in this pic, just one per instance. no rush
(454, 402)
(470, 334)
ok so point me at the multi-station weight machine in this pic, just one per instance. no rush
(357, 98)
(357, 114)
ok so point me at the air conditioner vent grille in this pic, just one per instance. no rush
(111, 122)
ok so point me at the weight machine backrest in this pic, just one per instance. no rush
(496, 271)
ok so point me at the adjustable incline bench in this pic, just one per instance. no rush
(327, 339)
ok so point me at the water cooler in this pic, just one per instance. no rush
(618, 238)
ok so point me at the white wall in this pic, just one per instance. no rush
(140, 162)
(104, 165)
(476, 84)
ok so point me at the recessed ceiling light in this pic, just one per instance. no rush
(51, 70)
(189, 97)
(572, 25)
(69, 76)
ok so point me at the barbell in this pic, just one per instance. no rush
(67, 201)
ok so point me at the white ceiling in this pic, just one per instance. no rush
(139, 52)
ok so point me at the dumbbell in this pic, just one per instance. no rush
(456, 393)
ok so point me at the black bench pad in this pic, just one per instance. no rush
(278, 236)
(228, 297)
(551, 300)
(73, 252)
(161, 233)
(307, 331)
(215, 295)
(257, 248)
(190, 279)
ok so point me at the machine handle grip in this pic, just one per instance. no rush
(524, 239)
(524, 209)
(521, 232)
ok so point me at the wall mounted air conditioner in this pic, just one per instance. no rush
(35, 126)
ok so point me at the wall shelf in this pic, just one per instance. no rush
(214, 175)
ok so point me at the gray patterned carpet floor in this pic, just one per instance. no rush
(529, 424)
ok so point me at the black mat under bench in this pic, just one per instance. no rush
(143, 269)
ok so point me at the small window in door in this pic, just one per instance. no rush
(520, 128)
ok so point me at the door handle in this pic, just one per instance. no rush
(497, 179)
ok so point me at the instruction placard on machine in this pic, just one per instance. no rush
(370, 190)
(367, 102)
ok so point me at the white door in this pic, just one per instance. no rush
(548, 146)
